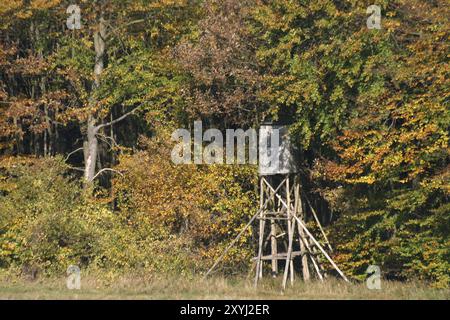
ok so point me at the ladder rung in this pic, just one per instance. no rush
(279, 256)
(272, 218)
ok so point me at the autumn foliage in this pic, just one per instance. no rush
(369, 111)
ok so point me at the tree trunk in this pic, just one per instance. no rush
(90, 146)
(90, 151)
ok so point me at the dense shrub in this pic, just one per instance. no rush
(405, 232)
(168, 218)
(204, 206)
(47, 223)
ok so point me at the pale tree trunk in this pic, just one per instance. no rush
(90, 149)
(90, 146)
(94, 123)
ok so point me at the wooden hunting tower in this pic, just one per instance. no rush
(283, 234)
(283, 237)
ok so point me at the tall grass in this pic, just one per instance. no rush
(158, 287)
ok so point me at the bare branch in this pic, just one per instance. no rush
(105, 138)
(119, 119)
(76, 169)
(104, 170)
(75, 151)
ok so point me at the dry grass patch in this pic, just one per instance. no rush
(157, 287)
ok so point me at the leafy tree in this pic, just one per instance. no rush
(219, 58)
(85, 68)
(370, 107)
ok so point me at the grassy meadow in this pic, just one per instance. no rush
(215, 288)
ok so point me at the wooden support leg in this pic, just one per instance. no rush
(305, 253)
(291, 266)
(290, 225)
(300, 213)
(289, 254)
(260, 248)
(274, 247)
(306, 245)
(258, 273)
